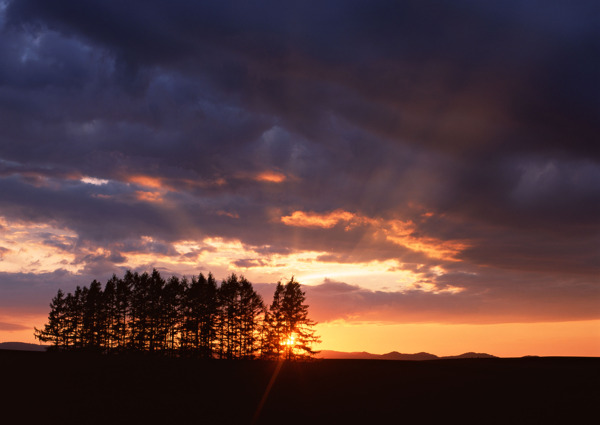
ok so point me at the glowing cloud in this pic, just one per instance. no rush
(396, 231)
(36, 248)
(148, 196)
(94, 181)
(223, 256)
(270, 177)
(228, 214)
(145, 181)
(312, 219)
(401, 233)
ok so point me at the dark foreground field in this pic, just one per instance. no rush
(70, 388)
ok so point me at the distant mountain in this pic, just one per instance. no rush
(22, 346)
(324, 354)
(394, 355)
(471, 355)
(330, 354)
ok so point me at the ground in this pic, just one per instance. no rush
(85, 389)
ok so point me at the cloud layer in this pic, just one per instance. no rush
(450, 150)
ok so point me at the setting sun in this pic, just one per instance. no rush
(290, 341)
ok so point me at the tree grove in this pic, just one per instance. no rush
(196, 317)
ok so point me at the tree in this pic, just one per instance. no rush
(172, 312)
(240, 314)
(146, 313)
(273, 332)
(251, 317)
(109, 316)
(200, 316)
(54, 330)
(92, 320)
(229, 316)
(123, 310)
(138, 322)
(74, 317)
(291, 333)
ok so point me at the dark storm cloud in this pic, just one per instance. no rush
(484, 114)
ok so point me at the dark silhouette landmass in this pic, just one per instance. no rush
(87, 388)
(470, 355)
(22, 346)
(394, 355)
(323, 354)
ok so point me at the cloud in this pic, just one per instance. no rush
(485, 300)
(439, 142)
(271, 177)
(311, 219)
(249, 262)
(333, 287)
(399, 232)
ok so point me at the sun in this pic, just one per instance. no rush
(290, 341)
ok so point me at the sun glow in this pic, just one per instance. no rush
(290, 341)
(224, 256)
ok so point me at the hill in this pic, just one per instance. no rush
(394, 355)
(22, 346)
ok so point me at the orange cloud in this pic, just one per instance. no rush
(146, 181)
(397, 231)
(401, 233)
(312, 219)
(148, 196)
(228, 214)
(28, 247)
(271, 177)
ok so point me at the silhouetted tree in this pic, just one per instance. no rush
(146, 313)
(240, 311)
(172, 313)
(74, 318)
(229, 316)
(92, 324)
(156, 310)
(291, 333)
(200, 317)
(251, 312)
(139, 320)
(109, 314)
(274, 327)
(123, 317)
(55, 330)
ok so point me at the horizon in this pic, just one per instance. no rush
(430, 175)
(319, 354)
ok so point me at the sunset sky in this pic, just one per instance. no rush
(429, 171)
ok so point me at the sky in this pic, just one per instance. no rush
(428, 171)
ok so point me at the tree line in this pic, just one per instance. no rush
(181, 317)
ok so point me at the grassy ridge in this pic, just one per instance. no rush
(78, 388)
